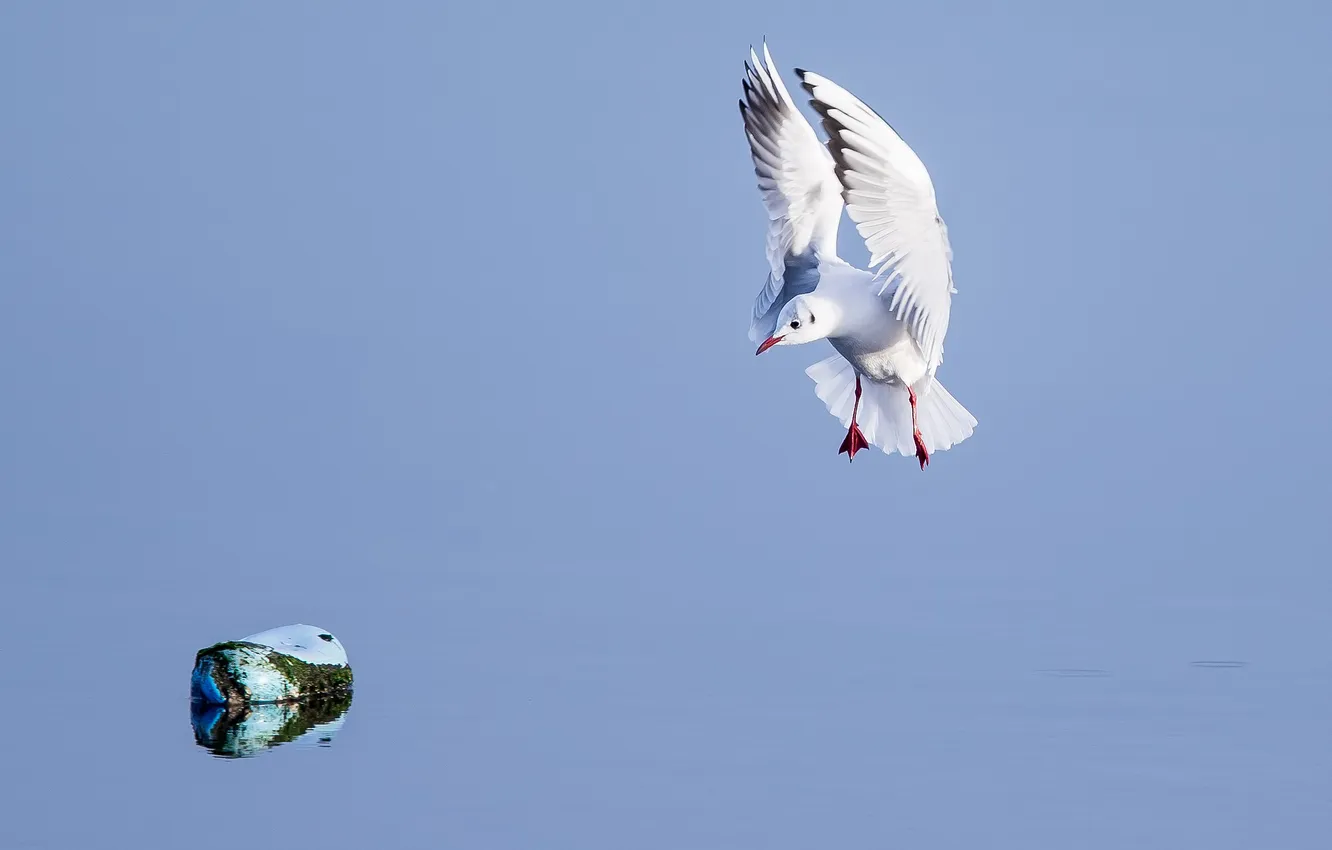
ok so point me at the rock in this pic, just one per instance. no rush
(241, 731)
(284, 665)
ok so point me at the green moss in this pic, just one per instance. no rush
(312, 679)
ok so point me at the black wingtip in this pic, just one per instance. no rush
(804, 83)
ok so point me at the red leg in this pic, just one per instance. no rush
(855, 441)
(921, 454)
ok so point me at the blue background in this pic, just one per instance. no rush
(425, 323)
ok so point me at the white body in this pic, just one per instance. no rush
(887, 325)
(870, 335)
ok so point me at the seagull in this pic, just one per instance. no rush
(887, 324)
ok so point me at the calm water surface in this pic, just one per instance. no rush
(581, 707)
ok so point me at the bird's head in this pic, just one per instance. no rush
(802, 320)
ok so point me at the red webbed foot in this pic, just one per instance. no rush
(854, 442)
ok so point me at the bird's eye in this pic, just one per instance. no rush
(795, 324)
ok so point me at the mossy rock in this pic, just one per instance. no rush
(285, 665)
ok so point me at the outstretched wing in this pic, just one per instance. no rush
(891, 199)
(799, 187)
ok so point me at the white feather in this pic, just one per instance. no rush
(891, 199)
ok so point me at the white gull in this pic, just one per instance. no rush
(887, 324)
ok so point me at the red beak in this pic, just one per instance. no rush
(767, 343)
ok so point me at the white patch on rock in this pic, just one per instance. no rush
(307, 643)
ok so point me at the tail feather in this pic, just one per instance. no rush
(885, 410)
(942, 418)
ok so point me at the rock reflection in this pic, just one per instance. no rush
(248, 730)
